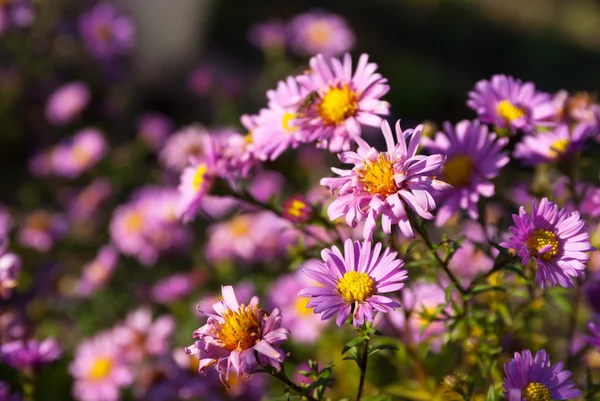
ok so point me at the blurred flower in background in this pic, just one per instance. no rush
(320, 32)
(67, 102)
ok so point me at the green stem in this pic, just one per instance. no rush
(573, 321)
(298, 389)
(363, 369)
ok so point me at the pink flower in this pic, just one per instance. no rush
(67, 102)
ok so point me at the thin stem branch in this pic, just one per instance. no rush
(363, 369)
(298, 389)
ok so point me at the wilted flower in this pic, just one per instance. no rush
(239, 337)
(530, 378)
(67, 102)
(342, 100)
(30, 354)
(180, 148)
(551, 147)
(385, 183)
(508, 103)
(106, 32)
(555, 239)
(473, 158)
(97, 273)
(78, 154)
(353, 282)
(268, 35)
(99, 369)
(320, 32)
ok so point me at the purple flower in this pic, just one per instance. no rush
(106, 32)
(67, 102)
(235, 153)
(268, 35)
(30, 354)
(555, 239)
(300, 320)
(468, 261)
(296, 209)
(320, 32)
(473, 158)
(180, 148)
(385, 183)
(340, 101)
(97, 272)
(99, 369)
(40, 230)
(530, 378)
(353, 282)
(153, 129)
(594, 327)
(10, 268)
(16, 13)
(550, 147)
(510, 104)
(172, 288)
(276, 127)
(577, 108)
(5, 393)
(239, 337)
(78, 154)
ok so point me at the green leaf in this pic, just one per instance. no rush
(448, 293)
(515, 269)
(486, 288)
(411, 246)
(323, 381)
(352, 343)
(382, 347)
(491, 395)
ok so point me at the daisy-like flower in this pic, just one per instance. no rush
(30, 354)
(555, 239)
(268, 35)
(320, 32)
(297, 209)
(153, 129)
(510, 104)
(97, 272)
(67, 102)
(474, 157)
(76, 155)
(579, 107)
(340, 101)
(106, 32)
(184, 145)
(99, 369)
(239, 337)
(353, 282)
(384, 183)
(276, 127)
(550, 147)
(530, 378)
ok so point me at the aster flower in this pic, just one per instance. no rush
(30, 354)
(296, 209)
(300, 320)
(78, 154)
(239, 337)
(106, 32)
(473, 158)
(172, 288)
(99, 369)
(342, 101)
(530, 378)
(555, 239)
(10, 268)
(67, 102)
(153, 129)
(594, 327)
(353, 282)
(510, 104)
(575, 108)
(16, 13)
(550, 147)
(384, 183)
(97, 272)
(184, 145)
(41, 229)
(88, 202)
(320, 32)
(268, 35)
(235, 154)
(276, 127)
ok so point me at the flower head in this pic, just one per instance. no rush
(153, 129)
(16, 13)
(594, 327)
(189, 143)
(239, 337)
(106, 32)
(473, 158)
(320, 32)
(268, 35)
(297, 209)
(342, 100)
(550, 147)
(30, 354)
(41, 229)
(508, 103)
(97, 272)
(555, 239)
(85, 149)
(530, 378)
(353, 282)
(99, 369)
(67, 102)
(385, 183)
(10, 268)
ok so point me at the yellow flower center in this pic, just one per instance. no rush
(134, 221)
(509, 111)
(285, 123)
(338, 104)
(240, 226)
(537, 392)
(355, 286)
(300, 304)
(296, 208)
(378, 176)
(100, 369)
(426, 314)
(81, 155)
(540, 239)
(199, 176)
(558, 148)
(458, 171)
(248, 138)
(319, 33)
(241, 329)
